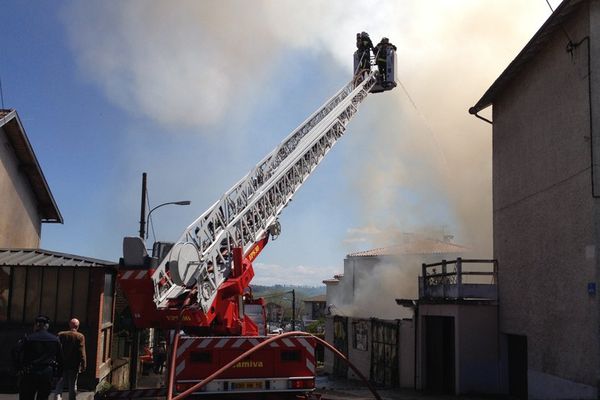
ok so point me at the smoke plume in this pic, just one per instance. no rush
(423, 161)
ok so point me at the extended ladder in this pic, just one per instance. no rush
(248, 211)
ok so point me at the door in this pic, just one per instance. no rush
(384, 354)
(439, 355)
(517, 366)
(340, 342)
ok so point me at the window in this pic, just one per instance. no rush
(4, 292)
(107, 307)
(360, 337)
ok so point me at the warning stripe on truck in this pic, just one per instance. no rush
(134, 274)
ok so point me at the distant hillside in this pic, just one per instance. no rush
(301, 291)
(280, 294)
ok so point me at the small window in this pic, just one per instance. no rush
(360, 337)
(107, 307)
(290, 355)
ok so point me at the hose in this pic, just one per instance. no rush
(221, 370)
(171, 379)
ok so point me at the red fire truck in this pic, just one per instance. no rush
(198, 286)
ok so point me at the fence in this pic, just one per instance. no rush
(460, 279)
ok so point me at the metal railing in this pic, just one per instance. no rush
(459, 279)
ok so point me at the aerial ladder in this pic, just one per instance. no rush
(200, 283)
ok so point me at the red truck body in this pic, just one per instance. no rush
(287, 365)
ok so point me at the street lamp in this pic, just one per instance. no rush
(177, 203)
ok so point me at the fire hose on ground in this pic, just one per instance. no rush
(220, 371)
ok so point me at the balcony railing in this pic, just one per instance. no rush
(459, 279)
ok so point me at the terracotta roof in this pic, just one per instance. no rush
(316, 299)
(46, 258)
(28, 163)
(529, 52)
(414, 246)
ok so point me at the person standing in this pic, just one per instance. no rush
(381, 53)
(364, 46)
(159, 356)
(39, 359)
(73, 346)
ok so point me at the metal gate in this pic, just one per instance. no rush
(384, 353)
(340, 341)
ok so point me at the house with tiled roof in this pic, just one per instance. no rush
(361, 307)
(402, 261)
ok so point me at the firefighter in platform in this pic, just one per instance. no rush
(364, 46)
(381, 53)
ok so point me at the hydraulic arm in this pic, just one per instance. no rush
(210, 265)
(247, 213)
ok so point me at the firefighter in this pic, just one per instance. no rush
(381, 52)
(364, 46)
(39, 358)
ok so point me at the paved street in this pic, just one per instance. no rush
(330, 389)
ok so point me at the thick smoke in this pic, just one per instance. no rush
(425, 161)
(375, 295)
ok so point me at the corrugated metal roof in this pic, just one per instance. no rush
(28, 163)
(414, 246)
(45, 258)
(531, 49)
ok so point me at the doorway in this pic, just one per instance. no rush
(517, 366)
(439, 355)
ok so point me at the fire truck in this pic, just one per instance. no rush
(198, 287)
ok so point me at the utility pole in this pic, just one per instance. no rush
(293, 309)
(135, 346)
(143, 208)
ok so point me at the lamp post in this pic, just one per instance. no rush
(177, 203)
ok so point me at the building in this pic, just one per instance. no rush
(314, 309)
(456, 330)
(35, 281)
(546, 207)
(60, 286)
(26, 198)
(363, 320)
(385, 271)
(274, 312)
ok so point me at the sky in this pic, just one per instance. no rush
(195, 93)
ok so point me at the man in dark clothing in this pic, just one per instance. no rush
(73, 345)
(39, 358)
(159, 356)
(364, 46)
(381, 53)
